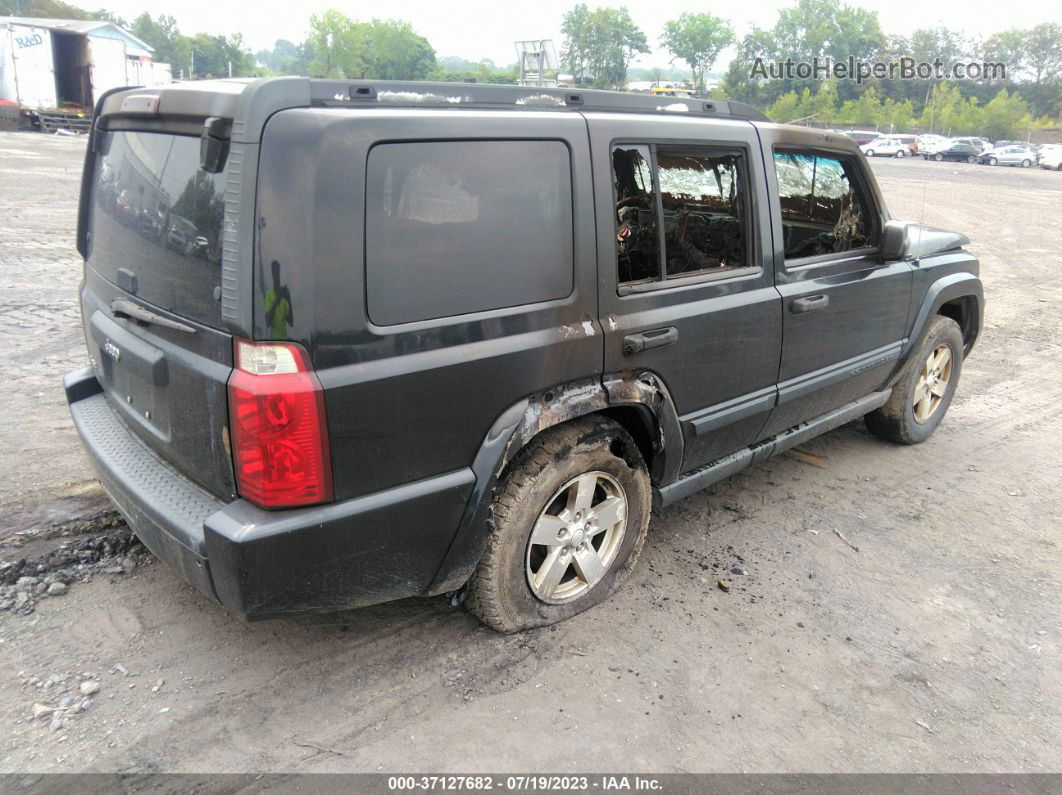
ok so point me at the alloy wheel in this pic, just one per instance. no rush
(932, 383)
(576, 537)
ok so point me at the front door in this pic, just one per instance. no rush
(844, 310)
(685, 292)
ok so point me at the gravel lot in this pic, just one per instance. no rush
(928, 641)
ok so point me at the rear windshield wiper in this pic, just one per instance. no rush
(122, 308)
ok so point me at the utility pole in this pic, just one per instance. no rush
(191, 67)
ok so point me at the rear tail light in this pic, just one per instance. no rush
(278, 428)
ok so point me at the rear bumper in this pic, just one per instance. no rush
(261, 564)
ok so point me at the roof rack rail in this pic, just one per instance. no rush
(347, 93)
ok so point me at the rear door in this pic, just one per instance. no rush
(107, 64)
(151, 299)
(685, 292)
(844, 310)
(31, 50)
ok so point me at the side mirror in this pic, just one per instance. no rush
(894, 241)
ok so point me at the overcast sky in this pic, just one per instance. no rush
(476, 29)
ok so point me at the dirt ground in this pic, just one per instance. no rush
(899, 609)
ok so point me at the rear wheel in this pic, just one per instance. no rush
(971, 159)
(569, 520)
(870, 153)
(1026, 163)
(921, 396)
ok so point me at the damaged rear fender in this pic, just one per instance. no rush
(629, 397)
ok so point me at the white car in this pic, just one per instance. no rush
(980, 144)
(1009, 156)
(930, 143)
(885, 147)
(1051, 157)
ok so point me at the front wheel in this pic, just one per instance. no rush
(900, 153)
(938, 157)
(971, 159)
(569, 520)
(992, 161)
(870, 153)
(921, 396)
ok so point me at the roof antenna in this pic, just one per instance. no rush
(922, 213)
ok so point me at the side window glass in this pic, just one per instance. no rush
(637, 235)
(703, 200)
(702, 195)
(824, 210)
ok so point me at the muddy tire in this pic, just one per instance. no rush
(921, 396)
(568, 522)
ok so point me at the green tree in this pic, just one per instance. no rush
(383, 49)
(286, 58)
(49, 9)
(576, 28)
(1043, 47)
(213, 56)
(103, 15)
(866, 110)
(824, 29)
(1009, 48)
(1006, 116)
(336, 42)
(164, 37)
(897, 116)
(601, 44)
(394, 51)
(697, 39)
(785, 109)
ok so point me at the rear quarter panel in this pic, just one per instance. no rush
(416, 400)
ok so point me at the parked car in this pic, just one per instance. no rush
(198, 247)
(956, 151)
(486, 340)
(885, 147)
(1008, 156)
(862, 136)
(980, 144)
(179, 234)
(1051, 157)
(910, 141)
(929, 143)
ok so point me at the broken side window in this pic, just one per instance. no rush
(637, 237)
(824, 209)
(702, 193)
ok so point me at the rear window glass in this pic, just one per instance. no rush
(454, 227)
(158, 216)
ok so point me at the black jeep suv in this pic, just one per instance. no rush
(441, 337)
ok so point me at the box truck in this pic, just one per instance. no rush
(54, 76)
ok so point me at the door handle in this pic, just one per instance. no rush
(809, 304)
(643, 341)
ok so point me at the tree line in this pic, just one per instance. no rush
(600, 44)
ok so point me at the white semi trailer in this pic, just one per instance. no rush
(54, 76)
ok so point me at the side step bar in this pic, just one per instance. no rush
(698, 479)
